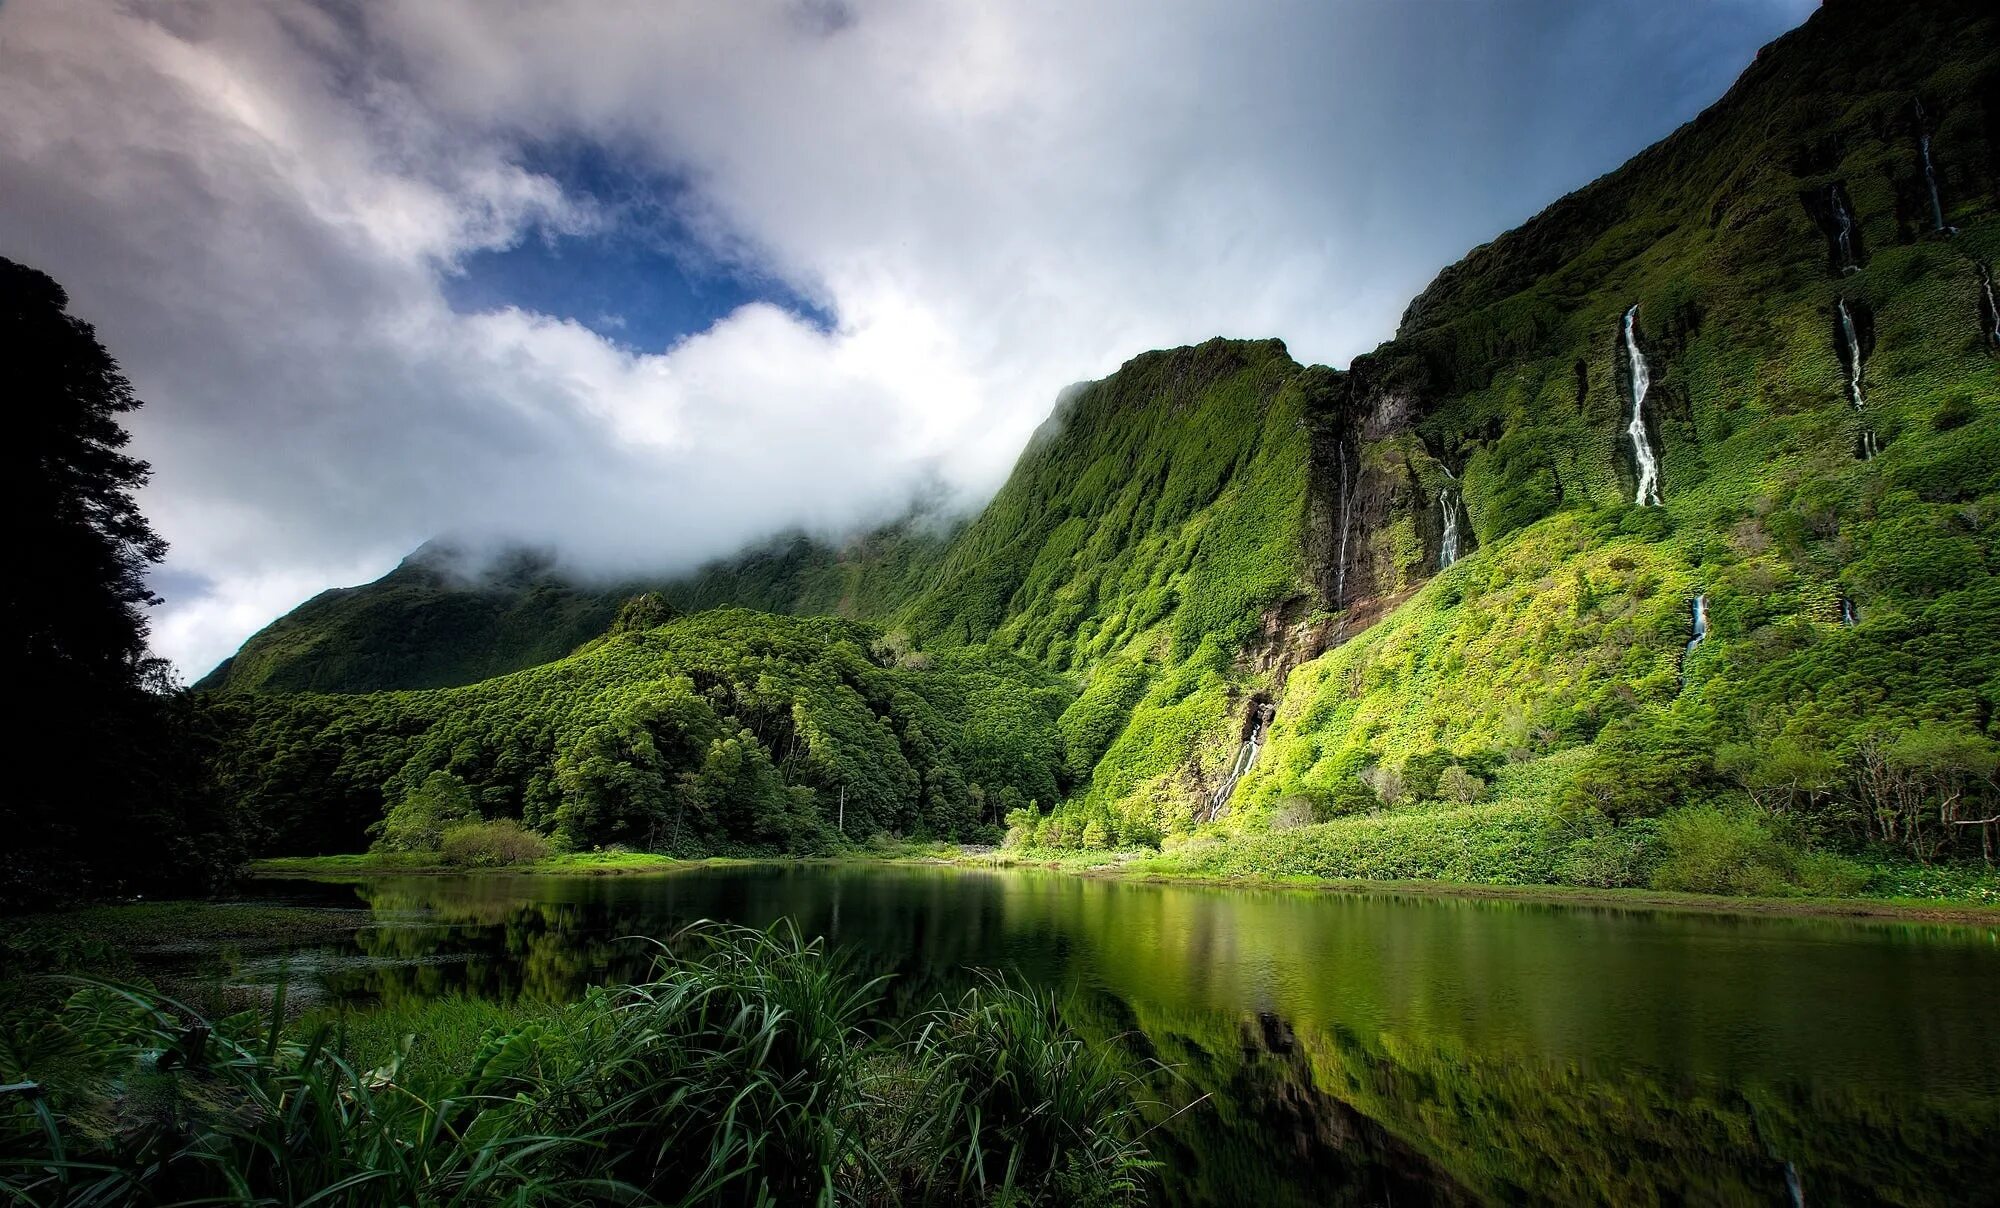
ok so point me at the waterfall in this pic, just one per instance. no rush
(1448, 504)
(1930, 176)
(1246, 755)
(1346, 520)
(1700, 622)
(1992, 315)
(1648, 494)
(1847, 613)
(1843, 229)
(1868, 445)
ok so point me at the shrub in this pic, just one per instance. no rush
(1293, 812)
(492, 844)
(1956, 412)
(1494, 844)
(1459, 786)
(1712, 850)
(1095, 835)
(1614, 857)
(1825, 875)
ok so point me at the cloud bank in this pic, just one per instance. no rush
(262, 208)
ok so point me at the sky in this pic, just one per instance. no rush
(641, 281)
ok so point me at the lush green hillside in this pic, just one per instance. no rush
(726, 731)
(1215, 531)
(1553, 663)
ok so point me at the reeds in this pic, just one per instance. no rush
(752, 1069)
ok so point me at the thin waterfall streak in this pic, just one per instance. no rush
(1992, 315)
(1448, 544)
(1853, 356)
(1930, 179)
(1700, 622)
(1843, 229)
(1648, 492)
(1346, 517)
(1930, 175)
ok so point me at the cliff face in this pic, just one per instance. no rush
(1782, 309)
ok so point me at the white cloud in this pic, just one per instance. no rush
(257, 205)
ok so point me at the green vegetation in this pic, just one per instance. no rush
(727, 732)
(750, 1068)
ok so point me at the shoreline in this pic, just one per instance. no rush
(1943, 910)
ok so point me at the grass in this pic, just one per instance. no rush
(421, 863)
(751, 1068)
(1899, 890)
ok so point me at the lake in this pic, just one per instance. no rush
(1332, 1048)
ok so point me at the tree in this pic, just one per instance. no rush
(1917, 785)
(107, 791)
(419, 821)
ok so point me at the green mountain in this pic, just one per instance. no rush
(1458, 577)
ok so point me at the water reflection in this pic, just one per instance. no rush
(1360, 1050)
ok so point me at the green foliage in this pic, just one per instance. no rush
(726, 731)
(419, 821)
(494, 844)
(1499, 844)
(1709, 849)
(743, 1071)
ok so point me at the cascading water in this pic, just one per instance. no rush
(1992, 316)
(1648, 494)
(1448, 504)
(1246, 755)
(1930, 176)
(1847, 614)
(1346, 521)
(1700, 622)
(1843, 224)
(1868, 445)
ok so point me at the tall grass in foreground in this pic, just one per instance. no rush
(752, 1069)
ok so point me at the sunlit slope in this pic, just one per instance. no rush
(1847, 599)
(1160, 506)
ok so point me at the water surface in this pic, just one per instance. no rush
(1350, 1049)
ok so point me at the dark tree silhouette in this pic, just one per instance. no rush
(105, 785)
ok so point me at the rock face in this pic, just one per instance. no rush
(1373, 532)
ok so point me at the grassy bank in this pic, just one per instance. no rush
(1175, 868)
(751, 1068)
(1302, 859)
(418, 863)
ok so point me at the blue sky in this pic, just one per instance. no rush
(638, 274)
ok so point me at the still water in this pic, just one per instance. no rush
(1343, 1049)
